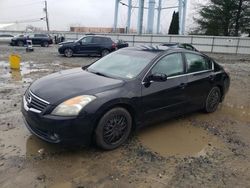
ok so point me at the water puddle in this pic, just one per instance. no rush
(239, 112)
(179, 138)
(18, 75)
(228, 110)
(62, 185)
(19, 142)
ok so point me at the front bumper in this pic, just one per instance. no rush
(13, 43)
(55, 129)
(61, 50)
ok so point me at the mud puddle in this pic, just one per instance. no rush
(179, 138)
(18, 75)
(19, 142)
(237, 112)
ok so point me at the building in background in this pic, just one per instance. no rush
(96, 29)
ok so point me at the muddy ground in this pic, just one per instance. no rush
(196, 150)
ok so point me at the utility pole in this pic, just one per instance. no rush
(151, 14)
(46, 13)
(140, 17)
(129, 15)
(116, 15)
(159, 17)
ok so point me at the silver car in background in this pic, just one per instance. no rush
(5, 38)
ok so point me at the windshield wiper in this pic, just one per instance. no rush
(99, 73)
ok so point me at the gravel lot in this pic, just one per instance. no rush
(196, 150)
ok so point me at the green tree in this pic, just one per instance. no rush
(242, 17)
(223, 17)
(174, 26)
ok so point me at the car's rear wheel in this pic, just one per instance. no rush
(113, 128)
(213, 100)
(68, 52)
(20, 43)
(45, 44)
(104, 52)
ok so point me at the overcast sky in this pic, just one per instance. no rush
(96, 13)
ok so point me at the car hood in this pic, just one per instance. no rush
(62, 85)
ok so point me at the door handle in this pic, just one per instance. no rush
(183, 85)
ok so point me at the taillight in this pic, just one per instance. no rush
(113, 45)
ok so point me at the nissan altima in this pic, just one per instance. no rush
(130, 88)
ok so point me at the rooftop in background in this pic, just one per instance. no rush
(99, 30)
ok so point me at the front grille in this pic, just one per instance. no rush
(35, 102)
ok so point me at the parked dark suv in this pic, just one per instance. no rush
(37, 39)
(88, 45)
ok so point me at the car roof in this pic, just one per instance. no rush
(171, 43)
(149, 48)
(175, 43)
(93, 35)
(160, 49)
(154, 48)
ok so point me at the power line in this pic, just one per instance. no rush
(23, 17)
(24, 5)
(26, 21)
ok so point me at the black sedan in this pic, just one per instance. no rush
(121, 44)
(127, 89)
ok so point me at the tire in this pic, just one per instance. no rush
(104, 52)
(213, 100)
(68, 52)
(113, 128)
(45, 44)
(20, 43)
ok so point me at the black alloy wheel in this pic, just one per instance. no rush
(213, 100)
(68, 52)
(20, 43)
(45, 44)
(113, 129)
(104, 52)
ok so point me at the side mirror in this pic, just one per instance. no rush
(158, 77)
(79, 43)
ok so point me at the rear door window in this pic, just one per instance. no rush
(197, 63)
(97, 40)
(40, 35)
(106, 40)
(171, 65)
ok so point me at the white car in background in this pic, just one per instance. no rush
(5, 38)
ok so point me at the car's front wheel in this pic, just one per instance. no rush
(20, 43)
(45, 44)
(213, 100)
(68, 52)
(113, 128)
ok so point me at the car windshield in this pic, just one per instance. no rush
(125, 64)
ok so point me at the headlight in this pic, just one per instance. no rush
(73, 106)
